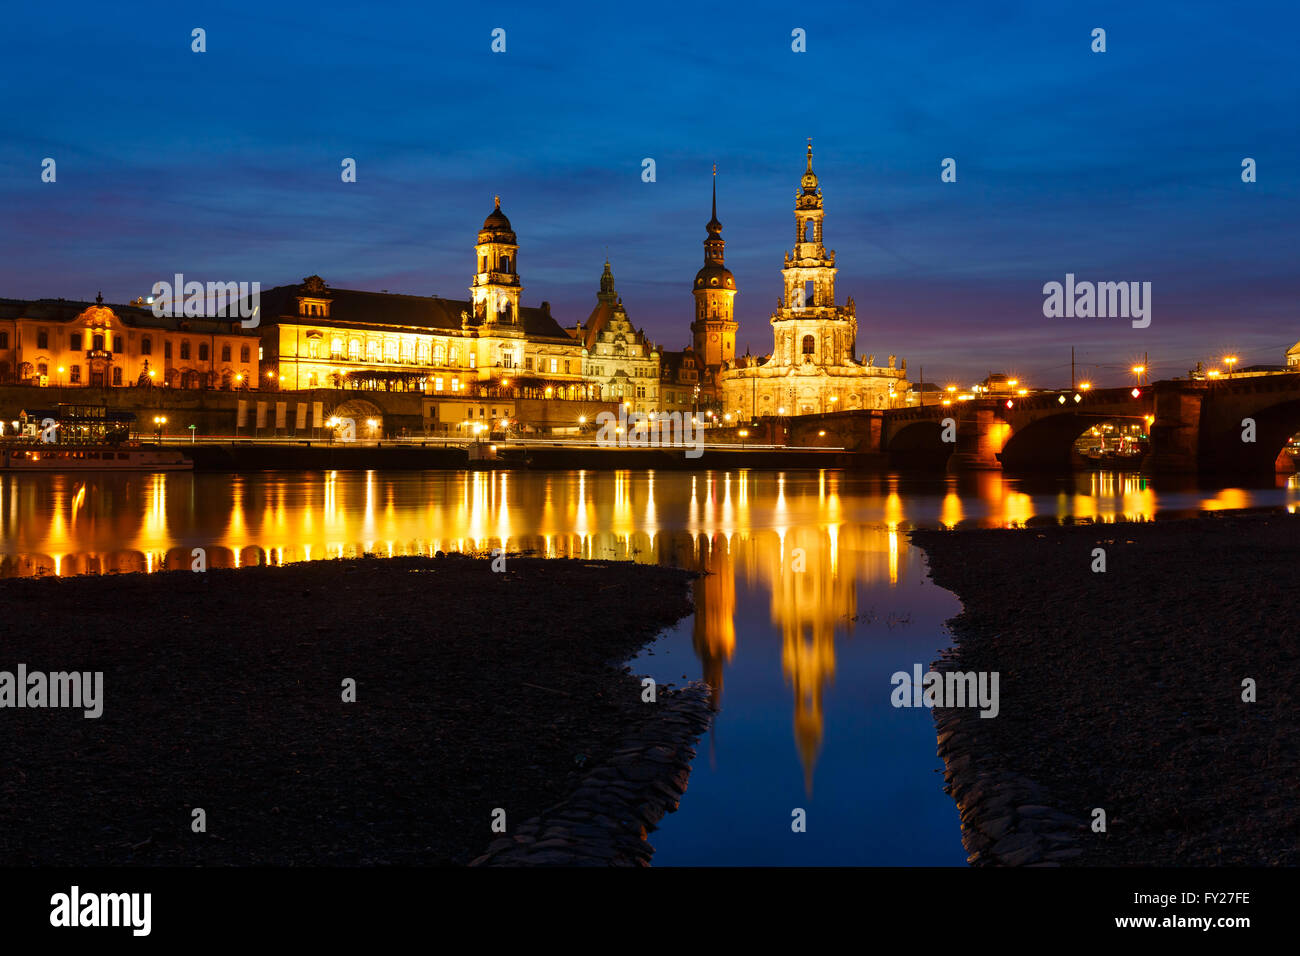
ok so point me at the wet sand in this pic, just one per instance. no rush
(1123, 690)
(223, 691)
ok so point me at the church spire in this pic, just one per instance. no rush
(714, 227)
(809, 180)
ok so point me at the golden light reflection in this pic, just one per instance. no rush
(811, 542)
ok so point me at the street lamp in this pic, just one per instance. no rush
(158, 422)
(1140, 371)
(1228, 360)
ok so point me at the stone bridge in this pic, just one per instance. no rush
(1195, 427)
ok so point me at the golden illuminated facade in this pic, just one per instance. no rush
(620, 359)
(315, 336)
(55, 342)
(812, 369)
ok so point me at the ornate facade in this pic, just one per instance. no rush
(812, 368)
(90, 344)
(620, 360)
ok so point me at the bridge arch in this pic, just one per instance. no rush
(919, 444)
(1047, 442)
(1222, 448)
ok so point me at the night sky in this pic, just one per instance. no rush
(1122, 166)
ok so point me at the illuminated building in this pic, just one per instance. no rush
(690, 377)
(621, 361)
(90, 344)
(812, 368)
(487, 346)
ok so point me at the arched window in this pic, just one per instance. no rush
(336, 347)
(505, 263)
(809, 344)
(390, 351)
(354, 349)
(146, 346)
(439, 355)
(243, 353)
(422, 353)
(203, 351)
(808, 232)
(372, 351)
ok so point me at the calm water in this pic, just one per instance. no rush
(811, 600)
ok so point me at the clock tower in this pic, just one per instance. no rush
(713, 333)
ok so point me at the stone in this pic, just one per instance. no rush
(1022, 857)
(1015, 842)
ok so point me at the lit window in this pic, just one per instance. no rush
(390, 351)
(439, 355)
(336, 347)
(437, 384)
(555, 365)
(313, 348)
(354, 349)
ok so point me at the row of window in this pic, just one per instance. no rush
(600, 371)
(402, 353)
(74, 373)
(97, 343)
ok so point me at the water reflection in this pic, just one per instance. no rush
(808, 545)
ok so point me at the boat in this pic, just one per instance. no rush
(127, 456)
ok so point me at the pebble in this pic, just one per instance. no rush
(607, 818)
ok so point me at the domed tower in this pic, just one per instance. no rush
(713, 333)
(495, 290)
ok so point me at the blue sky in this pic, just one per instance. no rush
(1116, 166)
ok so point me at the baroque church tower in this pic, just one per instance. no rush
(812, 369)
(713, 333)
(809, 327)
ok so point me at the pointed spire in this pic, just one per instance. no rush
(714, 227)
(809, 180)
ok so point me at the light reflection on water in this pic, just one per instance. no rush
(810, 599)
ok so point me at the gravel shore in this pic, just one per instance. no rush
(1122, 689)
(223, 691)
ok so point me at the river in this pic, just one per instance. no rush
(811, 598)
